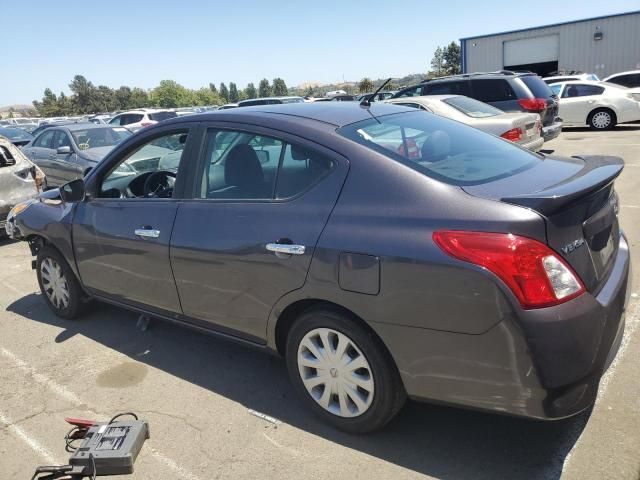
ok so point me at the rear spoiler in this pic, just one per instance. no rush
(599, 171)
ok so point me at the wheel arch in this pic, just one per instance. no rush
(611, 108)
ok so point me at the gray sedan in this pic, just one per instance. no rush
(522, 128)
(68, 152)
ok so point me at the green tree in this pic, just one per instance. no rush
(264, 89)
(49, 106)
(224, 92)
(106, 99)
(170, 94)
(279, 88)
(437, 63)
(64, 105)
(309, 92)
(391, 86)
(11, 112)
(234, 97)
(122, 98)
(452, 59)
(205, 96)
(212, 87)
(138, 99)
(250, 91)
(85, 95)
(365, 85)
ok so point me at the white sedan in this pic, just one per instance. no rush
(521, 128)
(599, 105)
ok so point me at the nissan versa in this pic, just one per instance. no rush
(384, 252)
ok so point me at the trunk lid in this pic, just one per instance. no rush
(576, 198)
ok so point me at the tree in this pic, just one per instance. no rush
(437, 63)
(452, 57)
(106, 99)
(49, 106)
(170, 94)
(392, 86)
(205, 96)
(213, 88)
(250, 91)
(279, 88)
(122, 98)
(85, 98)
(64, 105)
(365, 85)
(224, 92)
(138, 99)
(264, 89)
(11, 112)
(309, 92)
(234, 97)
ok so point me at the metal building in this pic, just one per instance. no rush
(601, 45)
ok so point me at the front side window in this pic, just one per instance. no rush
(244, 166)
(62, 140)
(440, 148)
(45, 140)
(147, 172)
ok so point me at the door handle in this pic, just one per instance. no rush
(147, 232)
(286, 249)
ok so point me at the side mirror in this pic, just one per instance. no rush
(64, 150)
(73, 191)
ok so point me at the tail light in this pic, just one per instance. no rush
(413, 152)
(535, 274)
(513, 135)
(533, 104)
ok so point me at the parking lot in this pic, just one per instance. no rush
(220, 410)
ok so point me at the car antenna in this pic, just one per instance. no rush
(366, 102)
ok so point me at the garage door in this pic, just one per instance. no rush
(531, 50)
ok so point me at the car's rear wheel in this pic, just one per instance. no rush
(343, 372)
(602, 119)
(58, 284)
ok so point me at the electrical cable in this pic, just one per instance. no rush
(122, 415)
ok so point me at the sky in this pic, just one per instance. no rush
(140, 42)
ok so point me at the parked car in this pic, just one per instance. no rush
(567, 78)
(67, 152)
(478, 274)
(521, 128)
(379, 97)
(506, 90)
(26, 124)
(227, 106)
(629, 79)
(20, 180)
(17, 136)
(343, 98)
(269, 101)
(135, 120)
(598, 105)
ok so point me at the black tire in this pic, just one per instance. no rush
(597, 119)
(389, 394)
(76, 297)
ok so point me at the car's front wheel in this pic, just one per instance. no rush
(58, 284)
(343, 372)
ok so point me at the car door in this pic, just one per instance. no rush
(247, 235)
(66, 163)
(121, 237)
(42, 154)
(577, 101)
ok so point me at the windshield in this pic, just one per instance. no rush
(556, 88)
(440, 148)
(537, 86)
(15, 134)
(99, 137)
(472, 108)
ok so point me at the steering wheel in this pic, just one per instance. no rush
(157, 185)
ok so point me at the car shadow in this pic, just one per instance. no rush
(621, 127)
(434, 440)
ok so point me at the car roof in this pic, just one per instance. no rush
(425, 98)
(628, 72)
(333, 113)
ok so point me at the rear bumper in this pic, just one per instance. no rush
(550, 132)
(544, 363)
(533, 145)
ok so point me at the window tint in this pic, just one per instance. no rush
(448, 88)
(129, 176)
(45, 140)
(537, 86)
(62, 140)
(441, 148)
(300, 169)
(580, 90)
(245, 166)
(472, 108)
(493, 90)
(159, 116)
(130, 118)
(629, 80)
(410, 92)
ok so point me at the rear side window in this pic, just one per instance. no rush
(448, 88)
(630, 80)
(130, 118)
(537, 86)
(160, 116)
(493, 90)
(300, 169)
(440, 148)
(410, 92)
(581, 90)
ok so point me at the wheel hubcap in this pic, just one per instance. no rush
(335, 372)
(54, 283)
(601, 120)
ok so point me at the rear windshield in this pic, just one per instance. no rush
(440, 148)
(160, 116)
(537, 86)
(472, 108)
